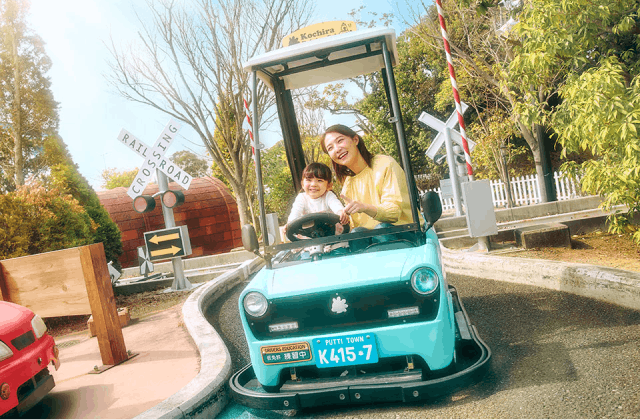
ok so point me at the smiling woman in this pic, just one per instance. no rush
(374, 189)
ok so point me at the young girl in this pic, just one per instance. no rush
(317, 195)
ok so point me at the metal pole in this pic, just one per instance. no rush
(179, 281)
(397, 115)
(451, 160)
(256, 136)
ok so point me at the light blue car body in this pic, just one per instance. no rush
(433, 340)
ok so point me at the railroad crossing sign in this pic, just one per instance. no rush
(154, 159)
(146, 266)
(440, 127)
(168, 243)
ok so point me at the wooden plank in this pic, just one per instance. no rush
(3, 290)
(103, 304)
(50, 284)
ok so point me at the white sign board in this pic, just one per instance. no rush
(154, 159)
(440, 126)
(481, 216)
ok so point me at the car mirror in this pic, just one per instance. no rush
(432, 207)
(250, 239)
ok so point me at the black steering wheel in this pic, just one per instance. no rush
(314, 225)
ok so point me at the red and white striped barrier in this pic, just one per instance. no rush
(454, 85)
(250, 128)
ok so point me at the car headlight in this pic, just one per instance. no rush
(255, 304)
(38, 326)
(424, 280)
(5, 351)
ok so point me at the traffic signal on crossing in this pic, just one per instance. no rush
(144, 203)
(147, 203)
(172, 198)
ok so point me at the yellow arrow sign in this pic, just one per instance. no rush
(173, 250)
(157, 239)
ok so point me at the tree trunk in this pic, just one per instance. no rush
(18, 158)
(241, 199)
(533, 140)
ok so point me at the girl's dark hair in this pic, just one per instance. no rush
(342, 171)
(317, 170)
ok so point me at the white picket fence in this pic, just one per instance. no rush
(524, 191)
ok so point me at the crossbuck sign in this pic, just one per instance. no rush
(154, 159)
(440, 127)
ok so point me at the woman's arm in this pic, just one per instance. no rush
(390, 184)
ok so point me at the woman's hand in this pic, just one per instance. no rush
(352, 207)
(344, 217)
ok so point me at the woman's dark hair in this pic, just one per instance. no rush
(317, 170)
(342, 171)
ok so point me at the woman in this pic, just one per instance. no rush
(374, 187)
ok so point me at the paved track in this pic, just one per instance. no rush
(555, 355)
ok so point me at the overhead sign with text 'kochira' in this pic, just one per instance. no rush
(154, 159)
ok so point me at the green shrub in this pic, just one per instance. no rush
(34, 220)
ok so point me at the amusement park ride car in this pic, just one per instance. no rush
(26, 350)
(375, 324)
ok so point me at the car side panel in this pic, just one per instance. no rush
(23, 366)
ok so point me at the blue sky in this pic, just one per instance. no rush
(91, 113)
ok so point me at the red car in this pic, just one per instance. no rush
(25, 353)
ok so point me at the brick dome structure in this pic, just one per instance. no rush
(209, 211)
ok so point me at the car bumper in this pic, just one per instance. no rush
(472, 361)
(21, 371)
(42, 388)
(433, 341)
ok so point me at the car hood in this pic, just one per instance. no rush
(347, 272)
(13, 317)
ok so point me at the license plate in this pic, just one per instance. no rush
(345, 350)
(286, 353)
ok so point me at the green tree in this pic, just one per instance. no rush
(482, 43)
(190, 67)
(601, 113)
(35, 219)
(416, 84)
(191, 163)
(28, 111)
(594, 46)
(112, 178)
(64, 176)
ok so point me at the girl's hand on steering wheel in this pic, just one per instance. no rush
(344, 217)
(353, 206)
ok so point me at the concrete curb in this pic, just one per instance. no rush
(206, 395)
(611, 285)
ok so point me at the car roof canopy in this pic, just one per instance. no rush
(326, 59)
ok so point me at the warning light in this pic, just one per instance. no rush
(172, 198)
(144, 203)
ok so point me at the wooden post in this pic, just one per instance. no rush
(103, 304)
(3, 288)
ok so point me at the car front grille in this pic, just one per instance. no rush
(366, 308)
(24, 340)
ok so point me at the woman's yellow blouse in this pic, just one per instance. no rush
(384, 186)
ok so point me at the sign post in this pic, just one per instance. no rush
(155, 161)
(146, 266)
(447, 136)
